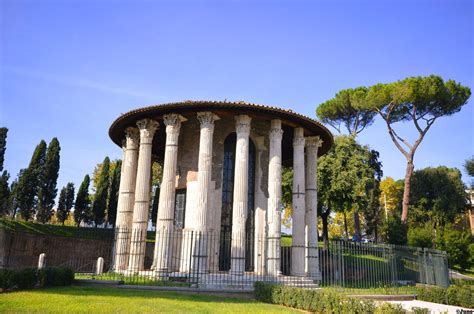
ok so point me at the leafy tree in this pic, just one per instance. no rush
(100, 199)
(5, 196)
(347, 108)
(287, 195)
(47, 182)
(98, 170)
(28, 182)
(396, 231)
(373, 211)
(390, 195)
(469, 167)
(437, 195)
(344, 176)
(3, 144)
(154, 206)
(82, 204)
(114, 193)
(456, 244)
(421, 100)
(421, 236)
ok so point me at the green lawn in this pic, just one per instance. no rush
(106, 300)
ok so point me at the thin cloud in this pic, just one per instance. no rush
(74, 82)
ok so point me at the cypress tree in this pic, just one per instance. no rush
(4, 194)
(114, 193)
(100, 200)
(62, 212)
(28, 181)
(3, 144)
(13, 203)
(69, 196)
(82, 204)
(47, 182)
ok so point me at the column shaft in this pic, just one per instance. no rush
(142, 196)
(311, 217)
(261, 203)
(201, 245)
(298, 215)
(166, 203)
(240, 202)
(274, 199)
(126, 199)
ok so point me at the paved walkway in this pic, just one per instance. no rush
(433, 307)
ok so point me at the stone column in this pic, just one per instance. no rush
(261, 202)
(126, 198)
(298, 215)
(166, 203)
(274, 199)
(311, 217)
(203, 211)
(240, 204)
(142, 196)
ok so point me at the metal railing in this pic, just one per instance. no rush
(210, 260)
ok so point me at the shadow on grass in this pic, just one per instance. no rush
(76, 291)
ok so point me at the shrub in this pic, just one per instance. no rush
(25, 278)
(317, 300)
(420, 237)
(55, 276)
(458, 294)
(396, 231)
(457, 245)
(6, 279)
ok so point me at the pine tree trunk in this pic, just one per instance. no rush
(345, 226)
(406, 191)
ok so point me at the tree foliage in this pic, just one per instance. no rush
(28, 182)
(99, 204)
(390, 195)
(47, 182)
(420, 100)
(469, 167)
(437, 196)
(348, 108)
(5, 194)
(65, 202)
(114, 193)
(3, 145)
(82, 203)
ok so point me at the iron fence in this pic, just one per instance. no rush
(218, 260)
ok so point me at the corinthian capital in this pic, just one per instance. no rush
(147, 128)
(298, 137)
(132, 137)
(242, 124)
(207, 119)
(276, 133)
(173, 122)
(313, 142)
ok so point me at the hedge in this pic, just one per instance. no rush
(319, 301)
(457, 294)
(28, 278)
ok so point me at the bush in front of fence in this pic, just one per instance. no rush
(28, 278)
(457, 294)
(318, 301)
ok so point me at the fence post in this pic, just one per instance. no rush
(42, 261)
(99, 266)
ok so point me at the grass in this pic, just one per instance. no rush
(110, 300)
(133, 280)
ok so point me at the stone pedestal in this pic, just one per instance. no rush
(298, 216)
(240, 203)
(274, 199)
(166, 203)
(311, 217)
(147, 129)
(126, 199)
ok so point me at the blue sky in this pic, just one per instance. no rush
(69, 68)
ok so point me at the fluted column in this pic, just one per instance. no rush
(240, 203)
(261, 203)
(298, 215)
(166, 203)
(126, 199)
(274, 199)
(201, 245)
(311, 217)
(147, 129)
